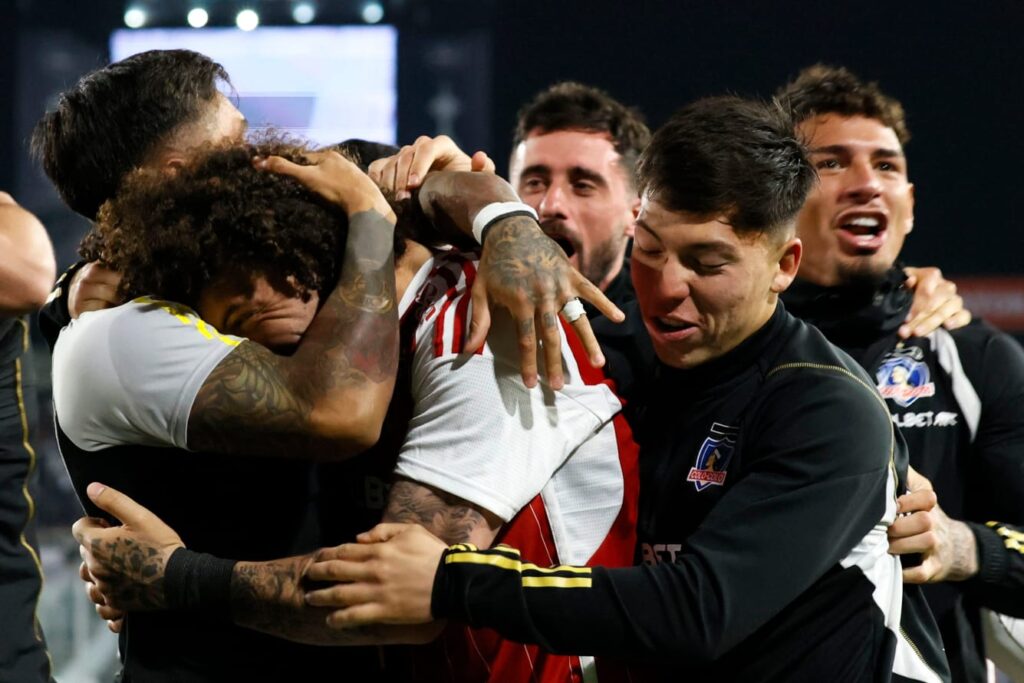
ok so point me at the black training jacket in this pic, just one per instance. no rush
(958, 398)
(768, 477)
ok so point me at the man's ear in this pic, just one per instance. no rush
(789, 254)
(634, 208)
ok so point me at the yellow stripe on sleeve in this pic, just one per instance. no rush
(556, 582)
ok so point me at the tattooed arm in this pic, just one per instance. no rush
(448, 517)
(329, 398)
(125, 568)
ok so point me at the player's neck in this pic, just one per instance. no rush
(408, 265)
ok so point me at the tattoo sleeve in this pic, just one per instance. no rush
(270, 597)
(330, 397)
(448, 517)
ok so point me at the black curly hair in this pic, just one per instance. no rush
(172, 235)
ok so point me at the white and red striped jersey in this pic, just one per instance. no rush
(560, 468)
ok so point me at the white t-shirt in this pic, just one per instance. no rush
(129, 375)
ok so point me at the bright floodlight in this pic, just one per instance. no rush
(372, 12)
(135, 17)
(198, 17)
(247, 20)
(303, 12)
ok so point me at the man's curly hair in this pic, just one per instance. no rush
(822, 89)
(172, 235)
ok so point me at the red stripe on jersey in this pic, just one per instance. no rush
(460, 324)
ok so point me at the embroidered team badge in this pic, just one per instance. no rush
(713, 457)
(903, 377)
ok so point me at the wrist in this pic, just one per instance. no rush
(490, 215)
(993, 565)
(198, 582)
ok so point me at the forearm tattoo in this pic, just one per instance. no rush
(270, 597)
(136, 573)
(448, 517)
(256, 402)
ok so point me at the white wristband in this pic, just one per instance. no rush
(496, 211)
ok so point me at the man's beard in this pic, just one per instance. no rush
(598, 262)
(862, 275)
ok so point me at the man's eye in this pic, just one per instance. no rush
(827, 164)
(583, 187)
(532, 185)
(887, 166)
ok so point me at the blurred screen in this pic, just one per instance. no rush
(324, 83)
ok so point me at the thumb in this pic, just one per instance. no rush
(917, 481)
(119, 505)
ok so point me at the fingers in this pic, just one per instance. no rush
(911, 525)
(83, 529)
(282, 166)
(341, 571)
(384, 532)
(921, 500)
(551, 339)
(922, 573)
(586, 336)
(926, 323)
(585, 289)
(115, 625)
(958, 319)
(480, 317)
(356, 616)
(527, 347)
(482, 163)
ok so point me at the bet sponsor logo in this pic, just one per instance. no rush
(925, 419)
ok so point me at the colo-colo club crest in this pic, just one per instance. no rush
(713, 457)
(903, 376)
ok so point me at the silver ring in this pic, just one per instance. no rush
(573, 310)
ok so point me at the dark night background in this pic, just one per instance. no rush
(957, 67)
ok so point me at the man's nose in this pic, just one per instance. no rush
(863, 183)
(553, 203)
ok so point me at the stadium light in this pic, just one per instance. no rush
(372, 12)
(197, 17)
(135, 17)
(247, 20)
(303, 12)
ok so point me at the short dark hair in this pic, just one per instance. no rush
(731, 157)
(574, 106)
(114, 117)
(170, 235)
(822, 89)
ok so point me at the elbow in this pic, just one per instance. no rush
(343, 435)
(30, 294)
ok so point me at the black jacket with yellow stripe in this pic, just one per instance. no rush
(768, 478)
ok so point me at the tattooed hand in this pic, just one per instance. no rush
(525, 271)
(126, 563)
(947, 547)
(521, 269)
